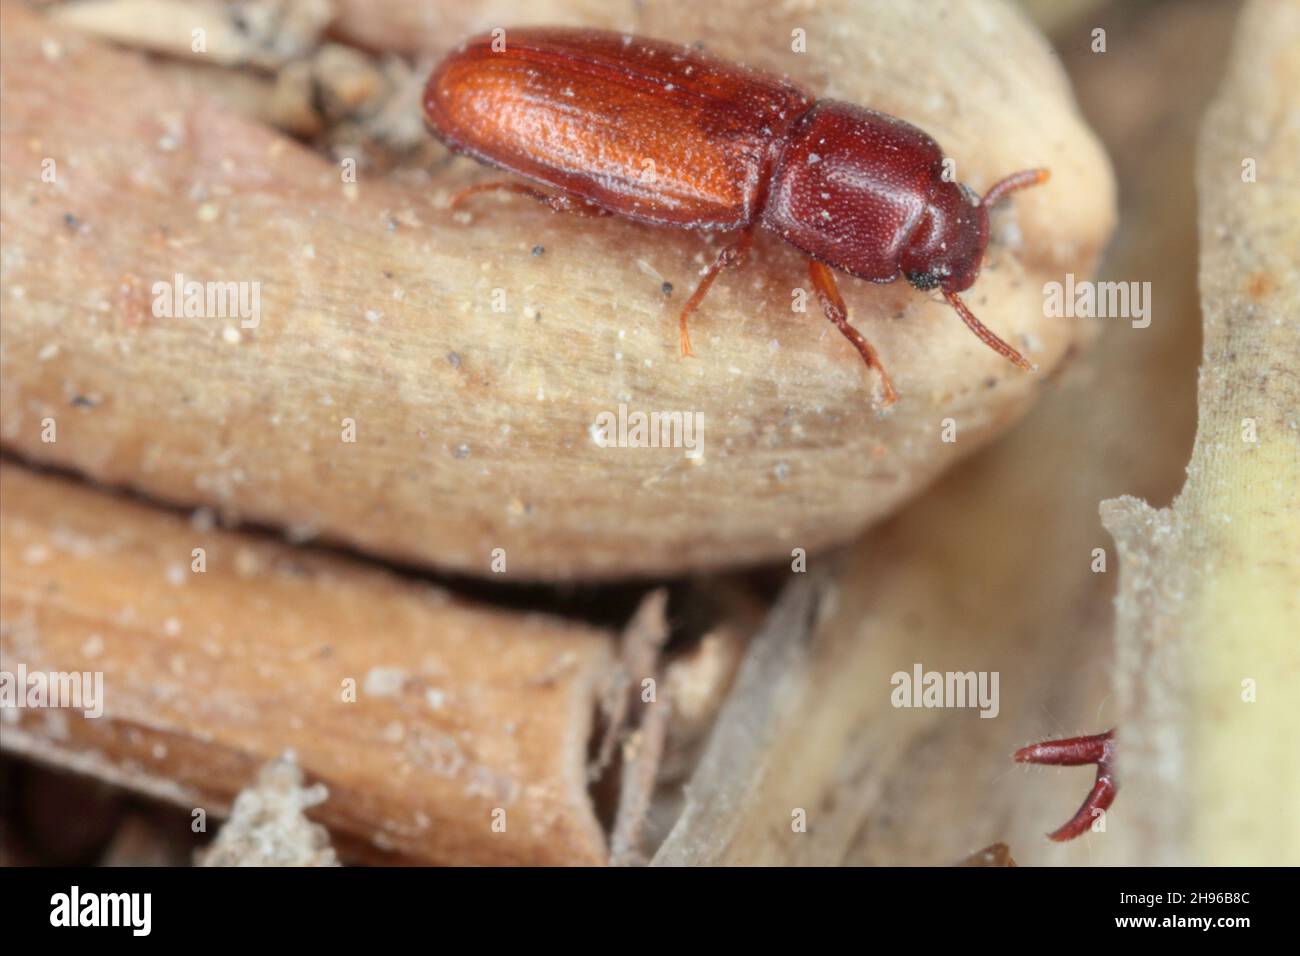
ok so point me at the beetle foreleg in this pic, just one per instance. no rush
(828, 294)
(731, 255)
(1073, 752)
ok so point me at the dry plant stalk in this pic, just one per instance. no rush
(1209, 607)
(728, 817)
(422, 715)
(472, 427)
(637, 710)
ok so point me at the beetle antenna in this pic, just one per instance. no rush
(985, 334)
(1021, 180)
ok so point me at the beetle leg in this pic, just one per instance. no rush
(1073, 752)
(730, 255)
(828, 294)
(557, 201)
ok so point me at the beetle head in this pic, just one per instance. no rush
(948, 245)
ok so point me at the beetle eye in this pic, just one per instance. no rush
(923, 280)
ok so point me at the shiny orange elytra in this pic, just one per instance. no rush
(661, 133)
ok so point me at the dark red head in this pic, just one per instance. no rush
(947, 246)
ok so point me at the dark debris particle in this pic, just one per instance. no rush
(72, 222)
(666, 288)
(460, 451)
(84, 401)
(539, 250)
(453, 359)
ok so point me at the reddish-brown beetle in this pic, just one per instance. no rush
(661, 133)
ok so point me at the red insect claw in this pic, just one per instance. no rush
(1074, 752)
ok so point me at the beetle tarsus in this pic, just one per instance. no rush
(1098, 749)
